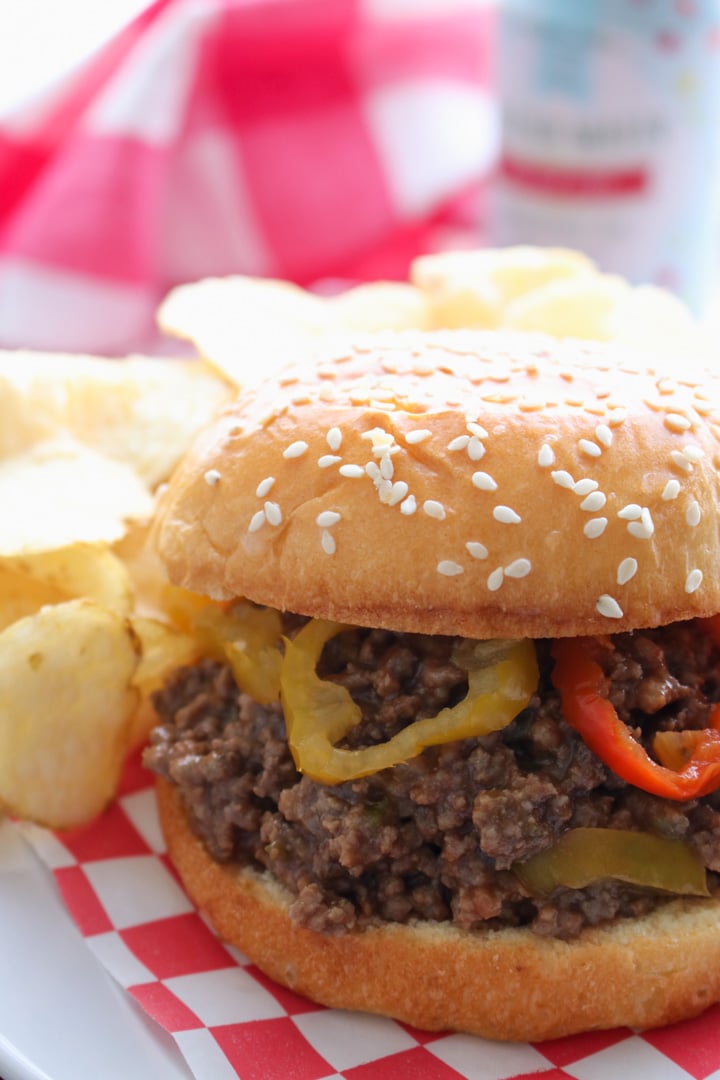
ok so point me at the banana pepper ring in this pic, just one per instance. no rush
(689, 761)
(583, 856)
(318, 713)
(248, 638)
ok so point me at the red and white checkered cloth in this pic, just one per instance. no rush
(301, 139)
(229, 1020)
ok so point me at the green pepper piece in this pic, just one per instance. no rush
(583, 856)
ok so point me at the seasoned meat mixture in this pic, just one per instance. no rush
(436, 837)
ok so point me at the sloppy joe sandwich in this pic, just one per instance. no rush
(452, 750)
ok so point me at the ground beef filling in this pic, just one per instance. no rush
(434, 838)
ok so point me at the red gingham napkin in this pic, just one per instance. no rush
(229, 1020)
(301, 139)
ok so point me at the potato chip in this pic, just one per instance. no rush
(66, 710)
(604, 307)
(138, 411)
(381, 305)
(80, 570)
(21, 594)
(471, 288)
(247, 327)
(63, 493)
(578, 307)
(244, 326)
(649, 317)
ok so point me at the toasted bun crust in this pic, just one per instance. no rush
(481, 484)
(506, 984)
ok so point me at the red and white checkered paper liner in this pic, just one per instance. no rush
(300, 139)
(229, 1020)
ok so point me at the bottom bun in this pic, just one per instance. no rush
(504, 984)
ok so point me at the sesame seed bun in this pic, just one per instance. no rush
(477, 484)
(502, 984)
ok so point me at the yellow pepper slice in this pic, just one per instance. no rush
(248, 638)
(583, 856)
(502, 677)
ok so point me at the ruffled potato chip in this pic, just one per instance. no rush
(30, 582)
(466, 289)
(63, 493)
(138, 411)
(66, 710)
(246, 327)
(579, 307)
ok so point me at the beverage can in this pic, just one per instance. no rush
(610, 119)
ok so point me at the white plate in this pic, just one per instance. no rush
(61, 1015)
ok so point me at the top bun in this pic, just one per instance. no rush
(482, 484)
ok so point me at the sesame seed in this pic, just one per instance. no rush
(595, 527)
(459, 443)
(418, 436)
(409, 505)
(495, 579)
(475, 449)
(334, 438)
(434, 509)
(676, 422)
(604, 435)
(373, 471)
(381, 450)
(327, 541)
(477, 429)
(386, 467)
(379, 436)
(352, 471)
(506, 515)
(328, 518)
(398, 492)
(449, 568)
(212, 477)
(594, 502)
(484, 481)
(296, 449)
(608, 607)
(644, 528)
(617, 417)
(327, 460)
(264, 486)
(693, 581)
(692, 453)
(384, 490)
(476, 549)
(671, 490)
(256, 521)
(585, 486)
(626, 570)
(563, 479)
(681, 460)
(518, 568)
(590, 448)
(693, 514)
(546, 456)
(273, 513)
(630, 512)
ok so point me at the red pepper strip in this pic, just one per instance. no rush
(579, 679)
